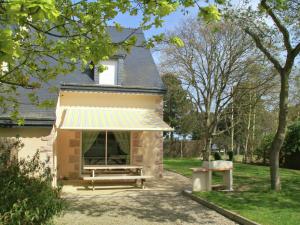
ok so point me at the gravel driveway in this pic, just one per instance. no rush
(160, 203)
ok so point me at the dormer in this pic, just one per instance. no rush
(110, 75)
(113, 73)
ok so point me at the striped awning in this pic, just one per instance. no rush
(97, 118)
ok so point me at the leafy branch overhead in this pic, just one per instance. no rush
(41, 39)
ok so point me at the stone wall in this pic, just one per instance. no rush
(68, 154)
(147, 147)
(147, 151)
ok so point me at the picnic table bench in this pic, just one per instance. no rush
(115, 173)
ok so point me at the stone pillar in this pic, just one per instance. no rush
(147, 147)
(147, 151)
(74, 155)
(68, 153)
(136, 148)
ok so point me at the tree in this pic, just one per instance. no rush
(215, 58)
(177, 107)
(40, 40)
(43, 39)
(248, 106)
(280, 44)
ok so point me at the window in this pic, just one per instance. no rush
(3, 68)
(105, 148)
(109, 76)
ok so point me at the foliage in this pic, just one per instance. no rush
(292, 140)
(26, 195)
(291, 144)
(215, 58)
(252, 197)
(217, 156)
(8, 150)
(177, 106)
(294, 110)
(263, 151)
(273, 27)
(230, 155)
(40, 40)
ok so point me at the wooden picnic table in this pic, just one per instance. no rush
(111, 167)
(126, 173)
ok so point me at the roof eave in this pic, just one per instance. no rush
(44, 122)
(121, 89)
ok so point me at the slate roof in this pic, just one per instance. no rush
(137, 72)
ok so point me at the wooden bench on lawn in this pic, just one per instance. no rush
(115, 173)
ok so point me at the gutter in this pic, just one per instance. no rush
(6, 122)
(120, 89)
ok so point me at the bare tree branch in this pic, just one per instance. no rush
(280, 26)
(264, 50)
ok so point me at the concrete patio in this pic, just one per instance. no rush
(160, 203)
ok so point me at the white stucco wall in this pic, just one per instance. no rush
(34, 139)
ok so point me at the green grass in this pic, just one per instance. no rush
(252, 197)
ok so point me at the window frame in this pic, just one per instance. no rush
(106, 145)
(116, 62)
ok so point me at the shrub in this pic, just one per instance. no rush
(8, 150)
(217, 156)
(26, 195)
(230, 155)
(291, 147)
(263, 151)
(292, 139)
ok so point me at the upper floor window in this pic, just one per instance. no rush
(3, 68)
(109, 76)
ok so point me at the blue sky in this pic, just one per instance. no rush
(171, 21)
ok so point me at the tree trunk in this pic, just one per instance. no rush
(280, 134)
(232, 126)
(253, 133)
(181, 153)
(246, 153)
(171, 138)
(207, 150)
(208, 137)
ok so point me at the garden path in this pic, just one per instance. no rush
(161, 203)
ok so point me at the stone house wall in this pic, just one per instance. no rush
(147, 151)
(68, 154)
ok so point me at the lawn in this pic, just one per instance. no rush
(252, 197)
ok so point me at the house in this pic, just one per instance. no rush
(108, 118)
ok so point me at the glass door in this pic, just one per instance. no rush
(105, 148)
(118, 148)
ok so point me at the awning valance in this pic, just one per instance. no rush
(98, 118)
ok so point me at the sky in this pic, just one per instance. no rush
(171, 21)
